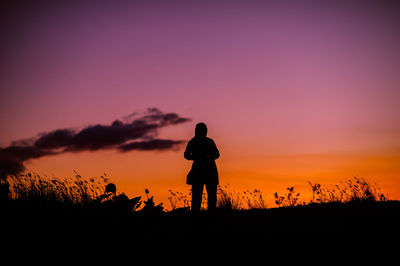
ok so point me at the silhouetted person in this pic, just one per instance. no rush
(203, 151)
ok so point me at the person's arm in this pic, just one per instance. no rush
(188, 152)
(214, 151)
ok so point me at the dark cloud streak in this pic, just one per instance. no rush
(138, 134)
(154, 144)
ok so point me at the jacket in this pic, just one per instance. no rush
(203, 152)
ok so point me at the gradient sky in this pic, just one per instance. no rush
(291, 92)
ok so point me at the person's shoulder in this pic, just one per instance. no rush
(210, 140)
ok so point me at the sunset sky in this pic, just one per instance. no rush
(291, 91)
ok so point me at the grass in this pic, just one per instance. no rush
(80, 207)
(227, 198)
(83, 191)
(355, 189)
(33, 187)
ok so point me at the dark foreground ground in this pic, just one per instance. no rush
(376, 222)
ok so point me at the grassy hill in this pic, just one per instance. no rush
(37, 208)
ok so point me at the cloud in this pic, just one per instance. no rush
(55, 139)
(154, 144)
(12, 158)
(137, 132)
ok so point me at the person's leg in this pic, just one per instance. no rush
(212, 197)
(197, 194)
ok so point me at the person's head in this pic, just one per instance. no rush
(201, 130)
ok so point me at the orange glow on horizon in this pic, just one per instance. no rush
(163, 171)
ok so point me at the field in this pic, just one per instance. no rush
(79, 210)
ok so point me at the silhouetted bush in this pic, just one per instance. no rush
(255, 199)
(290, 199)
(178, 200)
(228, 199)
(149, 205)
(119, 202)
(355, 189)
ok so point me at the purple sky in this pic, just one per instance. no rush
(267, 77)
